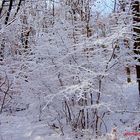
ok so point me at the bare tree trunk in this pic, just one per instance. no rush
(136, 28)
(68, 111)
(2, 5)
(128, 74)
(8, 12)
(115, 3)
(2, 50)
(18, 7)
(60, 79)
(87, 9)
(5, 92)
(27, 38)
(96, 110)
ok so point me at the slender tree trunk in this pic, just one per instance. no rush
(128, 74)
(2, 5)
(3, 102)
(136, 28)
(115, 3)
(2, 50)
(68, 112)
(8, 12)
(19, 4)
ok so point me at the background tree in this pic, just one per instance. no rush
(136, 28)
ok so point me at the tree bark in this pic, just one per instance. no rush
(136, 29)
(8, 12)
(3, 2)
(18, 7)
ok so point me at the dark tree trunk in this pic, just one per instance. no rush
(2, 50)
(3, 2)
(18, 7)
(128, 74)
(8, 12)
(27, 39)
(136, 28)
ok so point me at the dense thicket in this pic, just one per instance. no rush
(69, 65)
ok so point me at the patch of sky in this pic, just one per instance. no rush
(104, 6)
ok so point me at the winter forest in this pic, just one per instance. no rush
(69, 69)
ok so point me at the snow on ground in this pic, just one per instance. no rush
(20, 126)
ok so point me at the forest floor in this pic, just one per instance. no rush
(21, 126)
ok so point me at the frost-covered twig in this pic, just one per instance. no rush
(6, 92)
